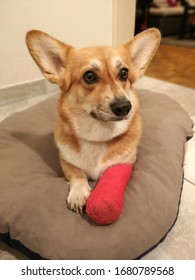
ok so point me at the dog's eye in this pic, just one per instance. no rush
(90, 77)
(123, 74)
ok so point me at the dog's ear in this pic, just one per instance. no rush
(142, 48)
(49, 54)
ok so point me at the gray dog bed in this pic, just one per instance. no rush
(33, 214)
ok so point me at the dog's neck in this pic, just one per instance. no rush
(90, 129)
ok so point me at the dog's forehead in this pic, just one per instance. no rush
(97, 57)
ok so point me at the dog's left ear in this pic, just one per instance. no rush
(142, 48)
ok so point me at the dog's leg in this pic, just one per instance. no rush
(79, 187)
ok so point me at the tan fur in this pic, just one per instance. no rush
(89, 134)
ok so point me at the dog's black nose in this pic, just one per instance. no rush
(120, 107)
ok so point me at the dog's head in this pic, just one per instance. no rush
(96, 81)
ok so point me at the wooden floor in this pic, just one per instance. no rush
(174, 64)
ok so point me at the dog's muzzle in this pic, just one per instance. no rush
(120, 108)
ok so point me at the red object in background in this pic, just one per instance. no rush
(172, 3)
(105, 203)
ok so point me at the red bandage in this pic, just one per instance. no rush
(105, 203)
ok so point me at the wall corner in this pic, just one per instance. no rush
(123, 21)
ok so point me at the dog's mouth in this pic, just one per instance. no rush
(106, 117)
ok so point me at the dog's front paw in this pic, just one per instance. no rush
(77, 197)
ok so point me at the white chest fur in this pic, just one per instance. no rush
(92, 136)
(89, 159)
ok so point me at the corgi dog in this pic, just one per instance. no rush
(98, 123)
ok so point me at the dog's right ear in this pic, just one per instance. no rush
(49, 54)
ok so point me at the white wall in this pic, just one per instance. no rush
(77, 22)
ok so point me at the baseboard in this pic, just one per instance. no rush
(23, 91)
